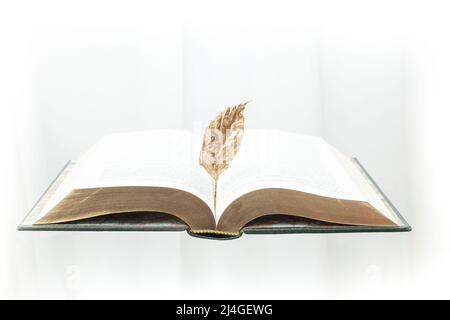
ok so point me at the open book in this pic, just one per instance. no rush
(274, 173)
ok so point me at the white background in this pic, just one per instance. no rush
(371, 77)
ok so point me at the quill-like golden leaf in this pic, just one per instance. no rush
(222, 139)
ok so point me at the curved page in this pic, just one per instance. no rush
(157, 158)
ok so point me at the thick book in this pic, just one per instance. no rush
(151, 181)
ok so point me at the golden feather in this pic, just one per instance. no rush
(221, 142)
(222, 139)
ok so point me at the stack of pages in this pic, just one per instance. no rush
(278, 183)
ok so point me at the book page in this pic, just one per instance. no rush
(275, 159)
(162, 158)
(364, 185)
